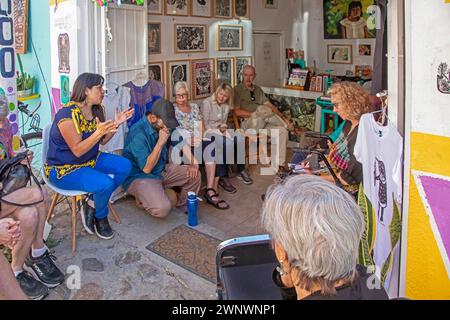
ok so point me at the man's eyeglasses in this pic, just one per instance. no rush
(252, 96)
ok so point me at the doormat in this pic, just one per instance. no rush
(190, 249)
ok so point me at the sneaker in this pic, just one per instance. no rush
(45, 269)
(245, 177)
(32, 288)
(226, 185)
(103, 229)
(87, 217)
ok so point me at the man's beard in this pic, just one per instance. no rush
(156, 127)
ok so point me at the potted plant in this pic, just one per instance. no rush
(25, 82)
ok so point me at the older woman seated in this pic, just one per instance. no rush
(316, 228)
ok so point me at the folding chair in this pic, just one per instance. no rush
(73, 195)
(244, 269)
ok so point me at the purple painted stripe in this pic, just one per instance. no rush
(56, 101)
(438, 195)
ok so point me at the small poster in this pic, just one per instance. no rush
(65, 90)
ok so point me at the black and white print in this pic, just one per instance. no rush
(201, 8)
(155, 71)
(177, 7)
(241, 9)
(155, 6)
(154, 38)
(225, 71)
(241, 62)
(223, 9)
(230, 38)
(177, 71)
(190, 38)
(443, 78)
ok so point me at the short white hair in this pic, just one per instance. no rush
(318, 225)
(180, 85)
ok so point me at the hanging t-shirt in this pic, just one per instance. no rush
(117, 98)
(143, 98)
(379, 149)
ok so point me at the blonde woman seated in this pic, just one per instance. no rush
(215, 111)
(316, 228)
(191, 123)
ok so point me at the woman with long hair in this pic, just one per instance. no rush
(74, 161)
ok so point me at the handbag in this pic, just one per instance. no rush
(14, 176)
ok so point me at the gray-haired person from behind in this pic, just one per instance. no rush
(316, 228)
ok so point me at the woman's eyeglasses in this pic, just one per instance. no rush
(252, 96)
(181, 96)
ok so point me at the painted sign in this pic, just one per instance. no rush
(8, 85)
(21, 25)
(64, 48)
(443, 78)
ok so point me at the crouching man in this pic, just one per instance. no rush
(147, 147)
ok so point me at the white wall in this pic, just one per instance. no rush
(285, 19)
(429, 108)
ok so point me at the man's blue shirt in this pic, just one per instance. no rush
(140, 143)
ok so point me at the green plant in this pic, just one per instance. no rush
(24, 80)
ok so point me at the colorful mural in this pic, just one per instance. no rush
(428, 246)
(8, 87)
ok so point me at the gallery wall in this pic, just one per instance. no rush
(168, 38)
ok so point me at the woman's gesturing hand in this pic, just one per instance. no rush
(104, 128)
(123, 116)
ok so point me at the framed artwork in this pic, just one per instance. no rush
(201, 8)
(365, 50)
(225, 71)
(348, 19)
(190, 38)
(154, 38)
(241, 9)
(176, 7)
(241, 62)
(156, 71)
(177, 71)
(21, 25)
(270, 4)
(155, 7)
(223, 9)
(202, 78)
(338, 53)
(230, 38)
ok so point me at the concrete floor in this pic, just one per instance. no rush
(123, 268)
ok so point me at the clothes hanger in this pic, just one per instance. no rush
(383, 96)
(141, 79)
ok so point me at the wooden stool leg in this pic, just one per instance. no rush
(114, 214)
(74, 224)
(52, 206)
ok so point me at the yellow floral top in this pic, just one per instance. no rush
(59, 156)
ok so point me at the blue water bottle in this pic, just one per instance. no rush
(192, 207)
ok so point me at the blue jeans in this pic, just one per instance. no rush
(96, 180)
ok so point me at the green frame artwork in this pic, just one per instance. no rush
(348, 19)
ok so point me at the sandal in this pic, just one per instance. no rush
(209, 199)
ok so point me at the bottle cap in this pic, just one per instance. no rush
(192, 194)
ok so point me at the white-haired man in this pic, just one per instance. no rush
(251, 104)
